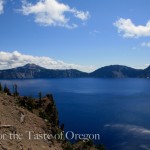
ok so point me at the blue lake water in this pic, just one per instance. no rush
(118, 109)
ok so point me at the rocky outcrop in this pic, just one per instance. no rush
(18, 121)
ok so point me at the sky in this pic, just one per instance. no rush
(64, 34)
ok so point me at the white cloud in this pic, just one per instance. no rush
(147, 65)
(53, 13)
(130, 30)
(1, 6)
(15, 59)
(133, 129)
(145, 44)
(81, 14)
(94, 32)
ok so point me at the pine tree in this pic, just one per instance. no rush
(6, 90)
(1, 88)
(15, 90)
(40, 98)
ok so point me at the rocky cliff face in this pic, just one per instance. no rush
(16, 120)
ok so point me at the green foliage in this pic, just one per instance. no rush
(50, 97)
(15, 90)
(6, 90)
(22, 102)
(51, 111)
(47, 109)
(80, 145)
(89, 143)
(40, 95)
(30, 103)
(62, 126)
(101, 147)
(1, 88)
(67, 146)
(27, 102)
(40, 98)
(42, 114)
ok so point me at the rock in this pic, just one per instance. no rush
(21, 147)
(13, 129)
(22, 117)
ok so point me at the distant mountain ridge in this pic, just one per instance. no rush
(117, 71)
(31, 71)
